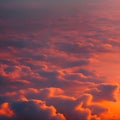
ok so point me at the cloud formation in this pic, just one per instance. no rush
(59, 64)
(29, 110)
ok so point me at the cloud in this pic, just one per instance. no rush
(71, 47)
(104, 92)
(29, 110)
(86, 72)
(80, 109)
(14, 43)
(43, 93)
(76, 63)
(50, 62)
(5, 110)
(67, 107)
(97, 109)
(77, 48)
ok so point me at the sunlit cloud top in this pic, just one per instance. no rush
(59, 60)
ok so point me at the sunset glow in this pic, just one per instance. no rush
(59, 60)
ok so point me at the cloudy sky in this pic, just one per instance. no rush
(59, 60)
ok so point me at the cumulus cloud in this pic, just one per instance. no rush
(105, 92)
(29, 110)
(53, 65)
(80, 109)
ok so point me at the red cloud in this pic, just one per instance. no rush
(29, 110)
(57, 57)
(105, 92)
(5, 110)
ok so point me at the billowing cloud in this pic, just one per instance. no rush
(105, 92)
(59, 64)
(29, 110)
(81, 108)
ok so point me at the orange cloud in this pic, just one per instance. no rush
(60, 65)
(5, 110)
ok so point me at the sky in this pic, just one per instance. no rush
(59, 60)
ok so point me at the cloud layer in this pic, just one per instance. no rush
(59, 64)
